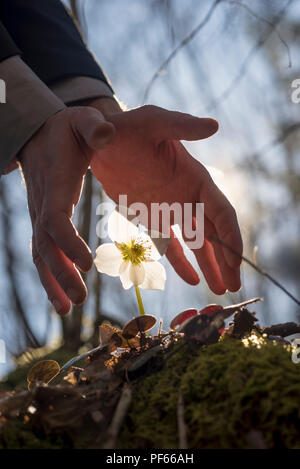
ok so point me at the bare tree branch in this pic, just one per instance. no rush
(10, 261)
(273, 28)
(256, 267)
(229, 90)
(284, 134)
(264, 20)
(118, 418)
(283, 330)
(183, 43)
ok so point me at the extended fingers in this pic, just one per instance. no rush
(230, 275)
(181, 265)
(205, 257)
(172, 125)
(207, 262)
(63, 272)
(55, 219)
(55, 293)
(223, 216)
(62, 231)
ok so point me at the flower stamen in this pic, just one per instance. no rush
(135, 251)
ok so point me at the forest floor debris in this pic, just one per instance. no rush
(199, 385)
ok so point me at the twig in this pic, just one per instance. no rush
(182, 431)
(238, 306)
(10, 260)
(160, 327)
(285, 133)
(228, 91)
(76, 359)
(283, 330)
(258, 269)
(273, 24)
(264, 20)
(118, 418)
(183, 43)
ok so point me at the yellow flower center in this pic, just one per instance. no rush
(133, 251)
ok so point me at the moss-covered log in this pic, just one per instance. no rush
(229, 391)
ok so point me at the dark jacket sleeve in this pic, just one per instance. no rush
(7, 45)
(47, 38)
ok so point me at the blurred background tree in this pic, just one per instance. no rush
(231, 60)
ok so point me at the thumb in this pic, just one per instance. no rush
(180, 126)
(91, 125)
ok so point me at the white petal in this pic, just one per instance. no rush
(137, 274)
(108, 259)
(155, 254)
(120, 229)
(155, 276)
(124, 275)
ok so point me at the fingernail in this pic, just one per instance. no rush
(57, 306)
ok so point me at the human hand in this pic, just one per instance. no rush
(54, 163)
(148, 163)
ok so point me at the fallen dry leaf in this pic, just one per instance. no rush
(182, 317)
(42, 372)
(139, 324)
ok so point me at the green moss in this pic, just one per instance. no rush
(17, 436)
(228, 390)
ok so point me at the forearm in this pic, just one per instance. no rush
(29, 103)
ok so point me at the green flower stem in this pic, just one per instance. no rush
(139, 300)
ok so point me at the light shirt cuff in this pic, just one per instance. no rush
(29, 103)
(74, 89)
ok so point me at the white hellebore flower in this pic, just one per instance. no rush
(132, 256)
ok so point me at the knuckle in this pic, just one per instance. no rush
(150, 108)
(227, 216)
(36, 259)
(60, 276)
(232, 215)
(48, 218)
(44, 220)
(226, 222)
(41, 245)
